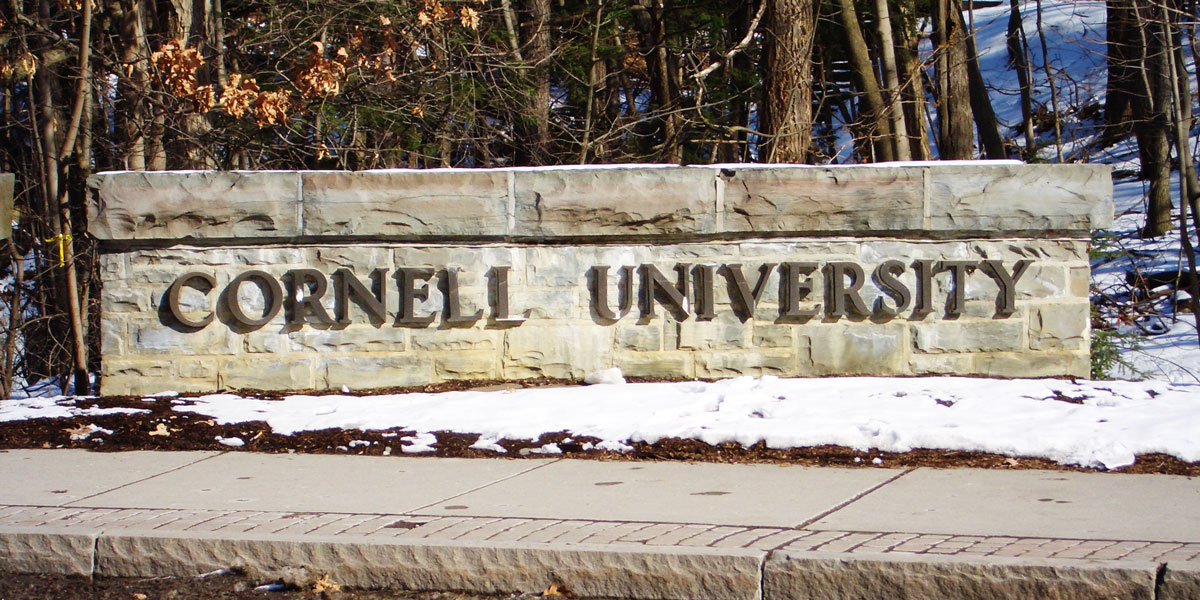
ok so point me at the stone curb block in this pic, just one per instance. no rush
(586, 570)
(1181, 581)
(821, 575)
(45, 550)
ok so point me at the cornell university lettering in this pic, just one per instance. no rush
(692, 293)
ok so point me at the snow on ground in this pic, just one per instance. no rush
(1095, 424)
(55, 407)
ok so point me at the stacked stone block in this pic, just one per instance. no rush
(549, 229)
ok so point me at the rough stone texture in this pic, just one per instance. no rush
(46, 550)
(823, 199)
(589, 571)
(1015, 198)
(548, 228)
(563, 335)
(1181, 581)
(419, 203)
(819, 575)
(590, 202)
(202, 204)
(944, 201)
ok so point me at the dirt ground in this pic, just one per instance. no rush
(223, 587)
(164, 429)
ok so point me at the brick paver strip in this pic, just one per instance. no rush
(554, 532)
(568, 532)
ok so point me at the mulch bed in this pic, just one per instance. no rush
(188, 431)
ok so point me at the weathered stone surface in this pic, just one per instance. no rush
(655, 364)
(1181, 581)
(819, 576)
(1059, 327)
(406, 204)
(47, 550)
(1002, 335)
(860, 349)
(495, 568)
(1040, 364)
(146, 205)
(1073, 198)
(757, 363)
(608, 202)
(267, 374)
(533, 351)
(468, 365)
(374, 371)
(704, 217)
(802, 199)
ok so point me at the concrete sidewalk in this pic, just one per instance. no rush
(604, 529)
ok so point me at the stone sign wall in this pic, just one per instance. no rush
(319, 280)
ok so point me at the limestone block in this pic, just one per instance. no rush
(154, 338)
(398, 204)
(45, 550)
(1054, 250)
(588, 571)
(994, 199)
(113, 267)
(756, 251)
(559, 352)
(1081, 281)
(1001, 335)
(725, 332)
(364, 372)
(756, 363)
(112, 337)
(565, 303)
(1181, 581)
(354, 338)
(642, 338)
(773, 336)
(441, 340)
(205, 369)
(359, 259)
(278, 373)
(858, 349)
(608, 202)
(119, 377)
(1059, 326)
(674, 365)
(143, 205)
(467, 365)
(121, 299)
(1034, 364)
(823, 199)
(1045, 281)
(940, 364)
(818, 576)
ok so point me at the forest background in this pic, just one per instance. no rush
(99, 85)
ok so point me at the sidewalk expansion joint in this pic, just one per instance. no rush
(856, 498)
(129, 483)
(416, 510)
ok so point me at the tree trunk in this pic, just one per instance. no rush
(535, 41)
(787, 81)
(1018, 57)
(1051, 83)
(908, 60)
(1151, 122)
(873, 121)
(955, 138)
(1123, 58)
(981, 104)
(891, 77)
